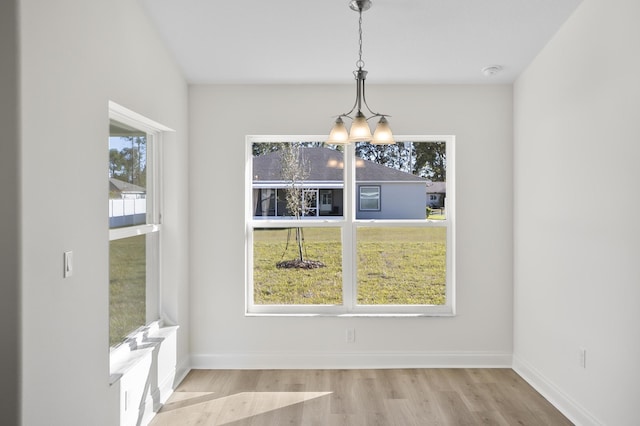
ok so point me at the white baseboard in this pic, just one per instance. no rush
(163, 392)
(351, 360)
(567, 406)
(181, 372)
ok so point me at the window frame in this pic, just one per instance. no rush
(349, 225)
(152, 228)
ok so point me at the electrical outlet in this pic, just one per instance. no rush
(351, 335)
(583, 357)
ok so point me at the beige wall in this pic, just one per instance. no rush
(479, 116)
(577, 282)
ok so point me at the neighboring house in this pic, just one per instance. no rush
(381, 192)
(125, 190)
(436, 193)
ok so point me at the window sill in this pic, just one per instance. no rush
(137, 348)
(351, 315)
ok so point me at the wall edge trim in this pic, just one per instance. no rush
(552, 393)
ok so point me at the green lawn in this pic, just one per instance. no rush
(395, 266)
(127, 287)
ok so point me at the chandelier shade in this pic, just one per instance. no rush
(339, 134)
(382, 135)
(360, 131)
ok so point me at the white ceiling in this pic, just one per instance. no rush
(404, 41)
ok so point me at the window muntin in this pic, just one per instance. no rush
(408, 157)
(133, 226)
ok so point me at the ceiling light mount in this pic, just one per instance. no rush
(360, 5)
(360, 131)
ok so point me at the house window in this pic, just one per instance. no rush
(343, 230)
(134, 223)
(369, 198)
(327, 198)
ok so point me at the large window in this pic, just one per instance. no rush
(349, 230)
(134, 224)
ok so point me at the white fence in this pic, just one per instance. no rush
(127, 212)
(127, 206)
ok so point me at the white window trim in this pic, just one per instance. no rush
(349, 225)
(154, 131)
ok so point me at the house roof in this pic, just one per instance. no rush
(436, 187)
(325, 165)
(122, 186)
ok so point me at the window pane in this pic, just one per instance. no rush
(297, 179)
(127, 286)
(127, 176)
(401, 265)
(296, 266)
(411, 177)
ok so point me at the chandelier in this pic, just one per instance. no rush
(360, 131)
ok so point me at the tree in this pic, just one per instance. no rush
(265, 148)
(129, 163)
(380, 154)
(399, 156)
(422, 159)
(116, 164)
(431, 161)
(295, 171)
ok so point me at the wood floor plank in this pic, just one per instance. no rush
(453, 409)
(491, 418)
(403, 397)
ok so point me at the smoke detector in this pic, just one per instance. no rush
(491, 70)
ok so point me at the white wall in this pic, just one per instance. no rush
(481, 333)
(75, 57)
(577, 281)
(9, 215)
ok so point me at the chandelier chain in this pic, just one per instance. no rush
(360, 62)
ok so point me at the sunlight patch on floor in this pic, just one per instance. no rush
(205, 408)
(184, 396)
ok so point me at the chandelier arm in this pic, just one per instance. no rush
(348, 114)
(360, 76)
(356, 104)
(364, 100)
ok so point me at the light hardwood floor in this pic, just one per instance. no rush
(357, 397)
